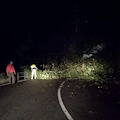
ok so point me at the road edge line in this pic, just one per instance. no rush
(62, 104)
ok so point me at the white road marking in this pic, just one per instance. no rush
(4, 84)
(59, 99)
(61, 102)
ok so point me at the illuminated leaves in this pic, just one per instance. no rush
(88, 69)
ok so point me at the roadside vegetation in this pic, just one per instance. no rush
(88, 69)
(71, 66)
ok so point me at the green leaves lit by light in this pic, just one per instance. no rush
(89, 69)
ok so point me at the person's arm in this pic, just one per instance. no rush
(14, 70)
(15, 73)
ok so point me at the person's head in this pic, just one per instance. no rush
(11, 62)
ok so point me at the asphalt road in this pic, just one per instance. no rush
(31, 100)
(37, 100)
(91, 100)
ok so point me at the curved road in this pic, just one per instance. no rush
(38, 100)
(31, 100)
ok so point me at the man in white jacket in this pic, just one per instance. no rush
(33, 69)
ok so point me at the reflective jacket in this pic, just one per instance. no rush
(33, 66)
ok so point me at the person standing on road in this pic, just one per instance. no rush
(10, 70)
(33, 73)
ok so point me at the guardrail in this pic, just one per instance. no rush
(4, 78)
(20, 75)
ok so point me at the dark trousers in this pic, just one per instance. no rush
(11, 78)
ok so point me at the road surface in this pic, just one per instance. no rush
(38, 100)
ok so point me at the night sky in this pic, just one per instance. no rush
(45, 27)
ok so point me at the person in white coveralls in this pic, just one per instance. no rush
(33, 71)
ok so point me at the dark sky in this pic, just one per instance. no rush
(46, 26)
